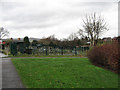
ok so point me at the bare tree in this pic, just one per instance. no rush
(72, 36)
(3, 32)
(94, 26)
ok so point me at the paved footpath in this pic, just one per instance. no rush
(0, 73)
(10, 77)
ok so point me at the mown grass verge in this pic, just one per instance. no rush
(63, 73)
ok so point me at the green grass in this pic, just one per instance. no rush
(63, 73)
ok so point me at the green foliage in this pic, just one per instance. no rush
(13, 48)
(63, 73)
(29, 51)
(21, 48)
(26, 42)
(51, 44)
(34, 43)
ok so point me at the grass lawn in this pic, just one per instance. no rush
(63, 73)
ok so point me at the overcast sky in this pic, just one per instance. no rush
(38, 18)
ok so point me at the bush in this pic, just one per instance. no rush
(106, 56)
(29, 51)
(13, 48)
(5, 52)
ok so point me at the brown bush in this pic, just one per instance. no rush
(106, 56)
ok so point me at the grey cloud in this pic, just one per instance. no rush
(29, 17)
(7, 5)
(94, 6)
(40, 20)
(26, 17)
(32, 25)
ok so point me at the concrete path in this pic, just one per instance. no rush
(0, 73)
(10, 78)
(1, 55)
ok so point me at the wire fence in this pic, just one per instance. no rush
(59, 51)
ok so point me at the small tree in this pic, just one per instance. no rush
(34, 43)
(72, 36)
(51, 44)
(93, 27)
(3, 32)
(21, 48)
(26, 42)
(13, 48)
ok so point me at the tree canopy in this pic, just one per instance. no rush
(93, 27)
(26, 42)
(3, 32)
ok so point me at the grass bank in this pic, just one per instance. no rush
(63, 73)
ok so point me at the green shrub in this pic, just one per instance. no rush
(13, 48)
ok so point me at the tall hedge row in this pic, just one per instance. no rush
(106, 56)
